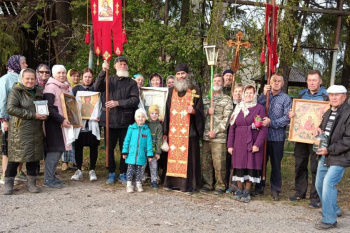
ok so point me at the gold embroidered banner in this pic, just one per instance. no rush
(178, 135)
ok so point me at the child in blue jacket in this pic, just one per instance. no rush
(136, 148)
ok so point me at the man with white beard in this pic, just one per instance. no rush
(183, 127)
(122, 104)
(213, 157)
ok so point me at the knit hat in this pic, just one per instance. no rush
(140, 110)
(181, 67)
(121, 58)
(153, 108)
(336, 89)
(227, 72)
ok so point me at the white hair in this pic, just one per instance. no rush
(57, 68)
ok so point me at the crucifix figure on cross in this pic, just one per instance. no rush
(235, 65)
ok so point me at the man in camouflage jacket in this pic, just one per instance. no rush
(214, 142)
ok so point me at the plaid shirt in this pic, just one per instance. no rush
(279, 107)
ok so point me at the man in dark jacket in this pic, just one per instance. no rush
(123, 102)
(335, 157)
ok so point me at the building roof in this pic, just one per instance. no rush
(296, 77)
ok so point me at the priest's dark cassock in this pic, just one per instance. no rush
(190, 178)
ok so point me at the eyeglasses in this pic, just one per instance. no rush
(44, 72)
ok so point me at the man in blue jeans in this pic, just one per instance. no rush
(335, 157)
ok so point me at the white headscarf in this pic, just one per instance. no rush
(20, 77)
(243, 106)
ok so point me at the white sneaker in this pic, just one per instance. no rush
(139, 187)
(78, 175)
(129, 187)
(92, 175)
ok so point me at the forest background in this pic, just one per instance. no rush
(162, 33)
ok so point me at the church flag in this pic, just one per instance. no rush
(107, 21)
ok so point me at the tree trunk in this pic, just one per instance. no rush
(185, 12)
(64, 37)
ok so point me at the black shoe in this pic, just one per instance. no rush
(218, 191)
(204, 190)
(296, 198)
(257, 193)
(275, 196)
(315, 205)
(324, 226)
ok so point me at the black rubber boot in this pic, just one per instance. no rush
(8, 186)
(31, 184)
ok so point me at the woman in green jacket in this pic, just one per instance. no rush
(25, 141)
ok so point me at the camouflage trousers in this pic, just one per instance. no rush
(213, 161)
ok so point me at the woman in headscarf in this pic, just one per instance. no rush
(155, 80)
(14, 66)
(24, 123)
(73, 78)
(55, 140)
(140, 81)
(246, 143)
(43, 74)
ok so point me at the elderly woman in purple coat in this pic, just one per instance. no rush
(246, 142)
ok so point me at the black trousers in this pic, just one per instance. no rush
(275, 154)
(11, 170)
(302, 153)
(90, 140)
(116, 135)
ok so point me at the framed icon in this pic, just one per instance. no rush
(71, 110)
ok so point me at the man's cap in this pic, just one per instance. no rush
(121, 58)
(227, 72)
(181, 67)
(336, 89)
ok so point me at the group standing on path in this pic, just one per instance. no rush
(233, 131)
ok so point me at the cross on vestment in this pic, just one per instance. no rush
(235, 65)
(193, 95)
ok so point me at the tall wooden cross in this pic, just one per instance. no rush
(235, 65)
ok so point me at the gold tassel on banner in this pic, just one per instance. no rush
(98, 60)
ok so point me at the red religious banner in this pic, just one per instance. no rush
(273, 57)
(178, 135)
(107, 22)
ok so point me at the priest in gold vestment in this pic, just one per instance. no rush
(183, 127)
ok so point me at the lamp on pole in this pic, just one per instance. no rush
(212, 56)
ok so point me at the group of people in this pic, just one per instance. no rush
(233, 131)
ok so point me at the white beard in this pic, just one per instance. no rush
(217, 88)
(122, 73)
(181, 86)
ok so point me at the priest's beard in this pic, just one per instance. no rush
(123, 73)
(182, 85)
(217, 88)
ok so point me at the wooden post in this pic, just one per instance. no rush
(268, 75)
(211, 95)
(107, 119)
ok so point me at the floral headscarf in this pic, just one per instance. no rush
(14, 64)
(39, 80)
(243, 106)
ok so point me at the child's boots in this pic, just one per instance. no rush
(129, 187)
(139, 186)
